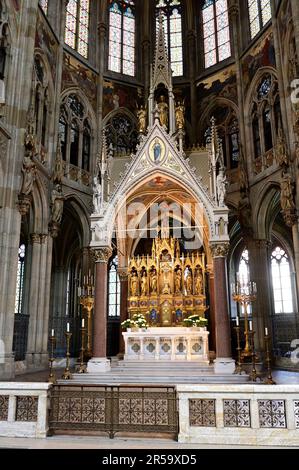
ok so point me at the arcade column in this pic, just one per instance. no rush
(224, 364)
(99, 361)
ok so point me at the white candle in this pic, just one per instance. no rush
(83, 322)
(237, 321)
(67, 327)
(52, 333)
(266, 331)
(250, 325)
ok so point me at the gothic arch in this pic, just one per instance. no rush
(262, 216)
(214, 103)
(39, 214)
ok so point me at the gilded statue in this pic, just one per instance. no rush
(198, 283)
(141, 115)
(180, 115)
(286, 196)
(153, 282)
(166, 285)
(178, 281)
(189, 283)
(144, 284)
(134, 284)
(163, 111)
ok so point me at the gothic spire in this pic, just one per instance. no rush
(162, 70)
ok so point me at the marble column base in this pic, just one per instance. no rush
(37, 361)
(98, 364)
(224, 365)
(7, 366)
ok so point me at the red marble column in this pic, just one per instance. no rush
(223, 337)
(212, 337)
(101, 257)
(123, 275)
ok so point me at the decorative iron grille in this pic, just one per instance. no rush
(114, 409)
(4, 408)
(26, 409)
(202, 413)
(236, 413)
(296, 411)
(272, 413)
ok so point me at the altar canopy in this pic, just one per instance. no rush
(167, 286)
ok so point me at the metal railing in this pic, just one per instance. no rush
(114, 409)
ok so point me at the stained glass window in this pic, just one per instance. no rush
(114, 290)
(216, 32)
(281, 281)
(244, 275)
(44, 5)
(77, 25)
(172, 14)
(259, 15)
(20, 280)
(122, 37)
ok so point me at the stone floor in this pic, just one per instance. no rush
(87, 442)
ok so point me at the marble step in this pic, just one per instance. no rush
(162, 365)
(116, 379)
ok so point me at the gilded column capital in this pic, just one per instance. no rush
(219, 250)
(123, 274)
(102, 255)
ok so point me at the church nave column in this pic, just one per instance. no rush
(38, 300)
(224, 364)
(99, 361)
(123, 276)
(212, 338)
(260, 273)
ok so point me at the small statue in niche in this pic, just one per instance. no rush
(141, 115)
(57, 204)
(221, 183)
(163, 111)
(180, 115)
(97, 195)
(29, 173)
(166, 285)
(286, 196)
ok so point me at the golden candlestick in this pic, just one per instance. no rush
(254, 375)
(244, 294)
(87, 303)
(238, 369)
(52, 377)
(82, 366)
(67, 371)
(269, 380)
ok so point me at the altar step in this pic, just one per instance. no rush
(126, 373)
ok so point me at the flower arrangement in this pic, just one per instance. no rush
(127, 324)
(195, 320)
(140, 320)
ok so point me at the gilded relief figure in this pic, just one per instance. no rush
(198, 283)
(153, 282)
(180, 115)
(188, 283)
(166, 286)
(144, 284)
(141, 114)
(178, 281)
(163, 111)
(134, 284)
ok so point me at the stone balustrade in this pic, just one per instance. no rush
(264, 415)
(24, 409)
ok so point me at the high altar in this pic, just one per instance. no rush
(167, 287)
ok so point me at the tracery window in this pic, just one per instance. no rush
(281, 281)
(216, 32)
(75, 133)
(244, 275)
(122, 134)
(172, 14)
(20, 279)
(259, 15)
(44, 5)
(77, 25)
(114, 290)
(265, 115)
(122, 37)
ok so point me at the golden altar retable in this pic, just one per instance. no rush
(167, 286)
